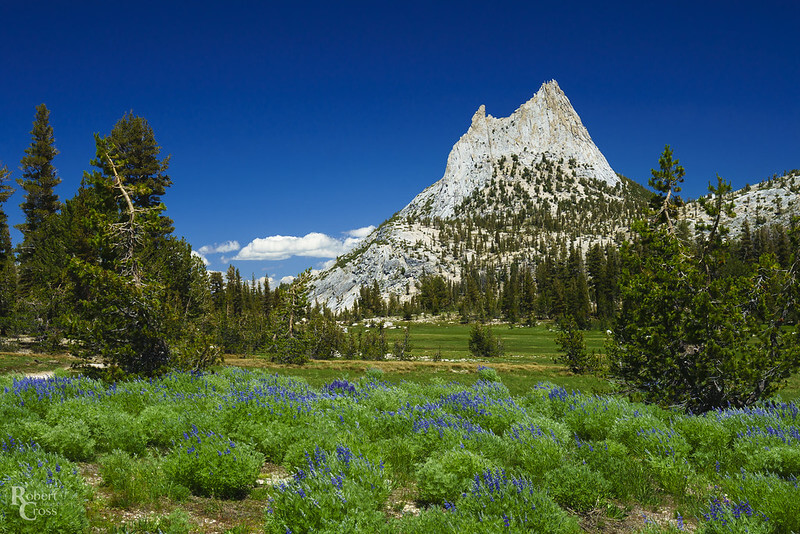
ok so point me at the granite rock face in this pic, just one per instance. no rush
(546, 124)
(404, 248)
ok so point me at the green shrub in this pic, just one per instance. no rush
(536, 402)
(710, 442)
(373, 374)
(444, 478)
(137, 481)
(591, 417)
(577, 487)
(483, 343)
(161, 424)
(488, 374)
(673, 474)
(627, 475)
(48, 482)
(72, 439)
(176, 522)
(109, 428)
(493, 503)
(723, 516)
(768, 448)
(648, 435)
(538, 446)
(766, 495)
(489, 404)
(331, 491)
(212, 465)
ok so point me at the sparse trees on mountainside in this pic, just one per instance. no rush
(690, 333)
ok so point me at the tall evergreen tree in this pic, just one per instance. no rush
(689, 333)
(38, 180)
(8, 279)
(6, 254)
(133, 145)
(138, 295)
(666, 182)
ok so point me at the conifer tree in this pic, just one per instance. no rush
(6, 254)
(691, 334)
(8, 279)
(666, 182)
(39, 180)
(138, 294)
(133, 145)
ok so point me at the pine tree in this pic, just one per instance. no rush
(137, 293)
(596, 271)
(690, 334)
(38, 180)
(291, 341)
(6, 253)
(666, 182)
(233, 292)
(133, 145)
(8, 279)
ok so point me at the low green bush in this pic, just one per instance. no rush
(211, 465)
(576, 486)
(494, 503)
(647, 435)
(39, 491)
(71, 438)
(161, 424)
(539, 446)
(446, 477)
(488, 374)
(710, 442)
(109, 428)
(766, 496)
(334, 490)
(628, 476)
(137, 481)
(177, 522)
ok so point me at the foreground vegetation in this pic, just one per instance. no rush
(354, 454)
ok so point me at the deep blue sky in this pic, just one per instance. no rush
(296, 117)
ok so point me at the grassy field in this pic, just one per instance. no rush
(528, 360)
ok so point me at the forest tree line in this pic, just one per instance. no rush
(564, 281)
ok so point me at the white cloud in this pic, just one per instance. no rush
(314, 245)
(361, 233)
(280, 247)
(216, 248)
(220, 248)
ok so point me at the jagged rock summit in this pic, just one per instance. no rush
(516, 183)
(546, 124)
